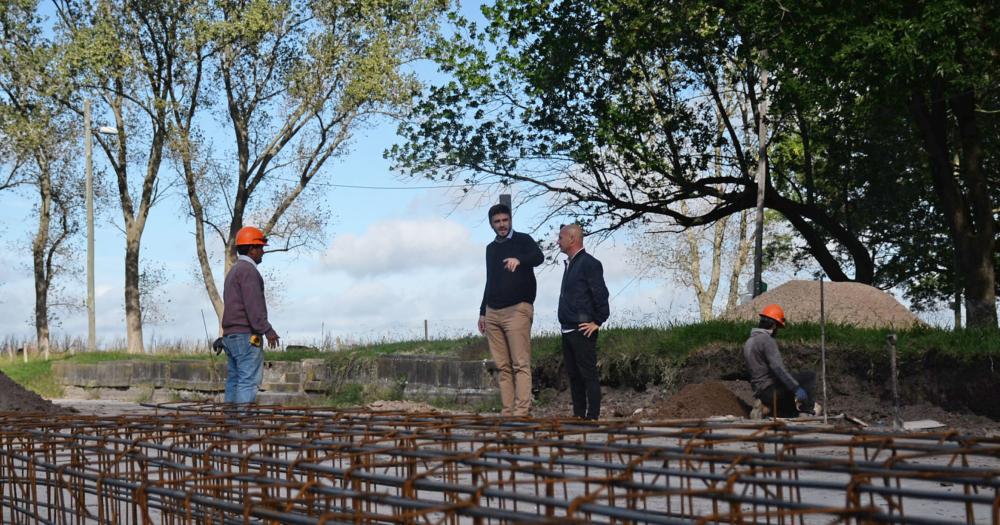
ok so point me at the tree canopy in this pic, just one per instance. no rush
(615, 110)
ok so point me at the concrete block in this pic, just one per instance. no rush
(281, 387)
(435, 372)
(150, 372)
(276, 371)
(115, 374)
(197, 375)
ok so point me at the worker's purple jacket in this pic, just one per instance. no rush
(245, 310)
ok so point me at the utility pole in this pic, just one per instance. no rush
(88, 168)
(505, 199)
(89, 191)
(758, 252)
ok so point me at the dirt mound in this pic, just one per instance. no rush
(701, 400)
(15, 398)
(852, 304)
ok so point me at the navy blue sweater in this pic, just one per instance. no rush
(505, 288)
(584, 296)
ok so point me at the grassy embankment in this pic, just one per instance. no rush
(631, 355)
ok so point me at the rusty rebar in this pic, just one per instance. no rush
(201, 463)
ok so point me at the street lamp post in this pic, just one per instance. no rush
(89, 191)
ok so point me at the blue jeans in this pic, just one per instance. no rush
(245, 370)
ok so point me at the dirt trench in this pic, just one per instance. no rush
(932, 385)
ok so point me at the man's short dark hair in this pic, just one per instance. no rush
(767, 323)
(244, 249)
(497, 209)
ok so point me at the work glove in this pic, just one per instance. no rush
(801, 395)
(218, 346)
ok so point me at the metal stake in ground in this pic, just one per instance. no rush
(822, 346)
(897, 420)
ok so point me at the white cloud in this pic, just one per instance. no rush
(398, 246)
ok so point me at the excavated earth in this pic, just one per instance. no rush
(15, 398)
(956, 392)
(714, 382)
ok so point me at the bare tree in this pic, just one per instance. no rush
(697, 258)
(131, 58)
(39, 136)
(300, 79)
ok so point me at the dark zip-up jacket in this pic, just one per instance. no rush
(584, 296)
(505, 288)
(764, 360)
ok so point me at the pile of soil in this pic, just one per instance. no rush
(15, 398)
(698, 401)
(852, 304)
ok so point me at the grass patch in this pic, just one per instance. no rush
(33, 375)
(420, 347)
(296, 354)
(101, 357)
(359, 394)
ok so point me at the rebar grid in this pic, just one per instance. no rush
(192, 463)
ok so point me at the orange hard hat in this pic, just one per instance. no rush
(248, 235)
(773, 311)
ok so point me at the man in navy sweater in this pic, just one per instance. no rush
(583, 308)
(507, 310)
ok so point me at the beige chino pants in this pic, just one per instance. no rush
(508, 331)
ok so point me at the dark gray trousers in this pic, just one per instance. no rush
(580, 358)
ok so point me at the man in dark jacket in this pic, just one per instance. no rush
(776, 391)
(244, 319)
(507, 309)
(583, 308)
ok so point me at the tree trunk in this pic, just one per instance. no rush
(38, 257)
(692, 240)
(964, 196)
(198, 213)
(133, 307)
(739, 261)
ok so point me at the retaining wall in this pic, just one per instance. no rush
(284, 382)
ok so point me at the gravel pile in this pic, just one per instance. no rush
(852, 304)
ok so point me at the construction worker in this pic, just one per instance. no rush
(507, 309)
(583, 308)
(776, 392)
(244, 319)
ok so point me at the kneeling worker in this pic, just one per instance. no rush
(776, 391)
(244, 319)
